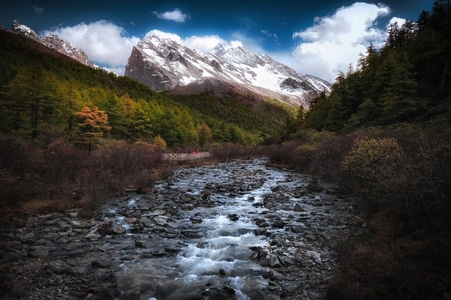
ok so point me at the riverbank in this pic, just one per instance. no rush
(266, 220)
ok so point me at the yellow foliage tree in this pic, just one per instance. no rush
(160, 142)
(204, 134)
(93, 123)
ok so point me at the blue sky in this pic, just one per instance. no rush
(316, 37)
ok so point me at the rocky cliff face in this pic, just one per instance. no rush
(163, 64)
(149, 74)
(53, 42)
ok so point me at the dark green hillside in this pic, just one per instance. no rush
(42, 89)
(247, 112)
(384, 135)
(408, 80)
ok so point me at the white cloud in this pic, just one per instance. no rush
(269, 34)
(248, 41)
(103, 42)
(324, 49)
(175, 15)
(204, 43)
(397, 20)
(336, 41)
(162, 34)
(37, 9)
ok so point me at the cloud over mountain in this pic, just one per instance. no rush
(336, 41)
(105, 43)
(330, 45)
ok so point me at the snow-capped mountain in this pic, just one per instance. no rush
(53, 42)
(163, 64)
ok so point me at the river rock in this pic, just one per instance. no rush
(39, 252)
(274, 261)
(59, 267)
(160, 220)
(278, 236)
(101, 263)
(298, 208)
(290, 287)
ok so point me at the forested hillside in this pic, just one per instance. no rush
(383, 134)
(74, 136)
(43, 91)
(408, 80)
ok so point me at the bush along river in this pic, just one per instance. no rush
(235, 230)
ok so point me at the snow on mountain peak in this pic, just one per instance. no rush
(219, 50)
(160, 36)
(162, 62)
(53, 42)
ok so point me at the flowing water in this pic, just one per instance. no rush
(205, 228)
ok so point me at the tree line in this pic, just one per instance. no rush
(383, 136)
(41, 92)
(407, 80)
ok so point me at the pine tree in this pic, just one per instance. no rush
(29, 101)
(398, 88)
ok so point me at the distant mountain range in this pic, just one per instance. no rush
(53, 42)
(162, 64)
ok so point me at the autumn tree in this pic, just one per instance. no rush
(204, 134)
(160, 143)
(93, 123)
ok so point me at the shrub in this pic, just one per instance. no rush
(282, 154)
(406, 170)
(374, 169)
(123, 164)
(304, 157)
(229, 151)
(160, 143)
(21, 167)
(63, 161)
(329, 156)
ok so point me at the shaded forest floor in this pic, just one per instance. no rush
(384, 261)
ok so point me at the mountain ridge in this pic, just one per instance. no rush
(162, 63)
(53, 42)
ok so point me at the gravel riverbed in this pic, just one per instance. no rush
(235, 230)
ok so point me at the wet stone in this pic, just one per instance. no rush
(290, 287)
(298, 208)
(235, 230)
(102, 263)
(14, 244)
(298, 228)
(158, 252)
(274, 261)
(28, 236)
(59, 267)
(161, 221)
(39, 252)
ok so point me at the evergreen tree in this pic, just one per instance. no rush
(398, 89)
(29, 101)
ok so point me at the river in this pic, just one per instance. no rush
(235, 230)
